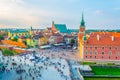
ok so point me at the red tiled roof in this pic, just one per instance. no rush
(104, 39)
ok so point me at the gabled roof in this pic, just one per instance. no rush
(61, 27)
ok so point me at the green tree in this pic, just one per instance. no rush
(15, 39)
(1, 37)
(7, 52)
(72, 41)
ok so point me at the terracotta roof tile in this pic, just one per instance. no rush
(104, 39)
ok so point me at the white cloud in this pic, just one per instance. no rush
(98, 12)
(15, 11)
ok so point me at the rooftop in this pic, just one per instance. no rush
(105, 38)
(61, 27)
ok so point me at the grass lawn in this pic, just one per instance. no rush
(7, 52)
(89, 63)
(101, 78)
(99, 70)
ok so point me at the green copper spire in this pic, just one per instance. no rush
(82, 21)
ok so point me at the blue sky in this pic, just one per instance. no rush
(98, 14)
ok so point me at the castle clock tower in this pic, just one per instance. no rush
(82, 28)
(81, 38)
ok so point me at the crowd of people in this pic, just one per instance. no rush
(32, 66)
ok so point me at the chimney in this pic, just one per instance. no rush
(112, 38)
(98, 37)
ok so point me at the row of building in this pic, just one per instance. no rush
(57, 33)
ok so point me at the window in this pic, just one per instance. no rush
(102, 53)
(109, 57)
(86, 47)
(86, 53)
(116, 48)
(90, 52)
(86, 56)
(110, 48)
(90, 56)
(116, 57)
(91, 47)
(95, 52)
(103, 47)
(110, 53)
(95, 47)
(95, 56)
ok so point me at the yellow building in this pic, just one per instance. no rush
(19, 32)
(43, 40)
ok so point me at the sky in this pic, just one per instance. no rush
(98, 14)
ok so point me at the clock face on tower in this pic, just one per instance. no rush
(82, 29)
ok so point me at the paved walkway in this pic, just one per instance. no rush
(39, 68)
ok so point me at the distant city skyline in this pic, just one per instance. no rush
(98, 14)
